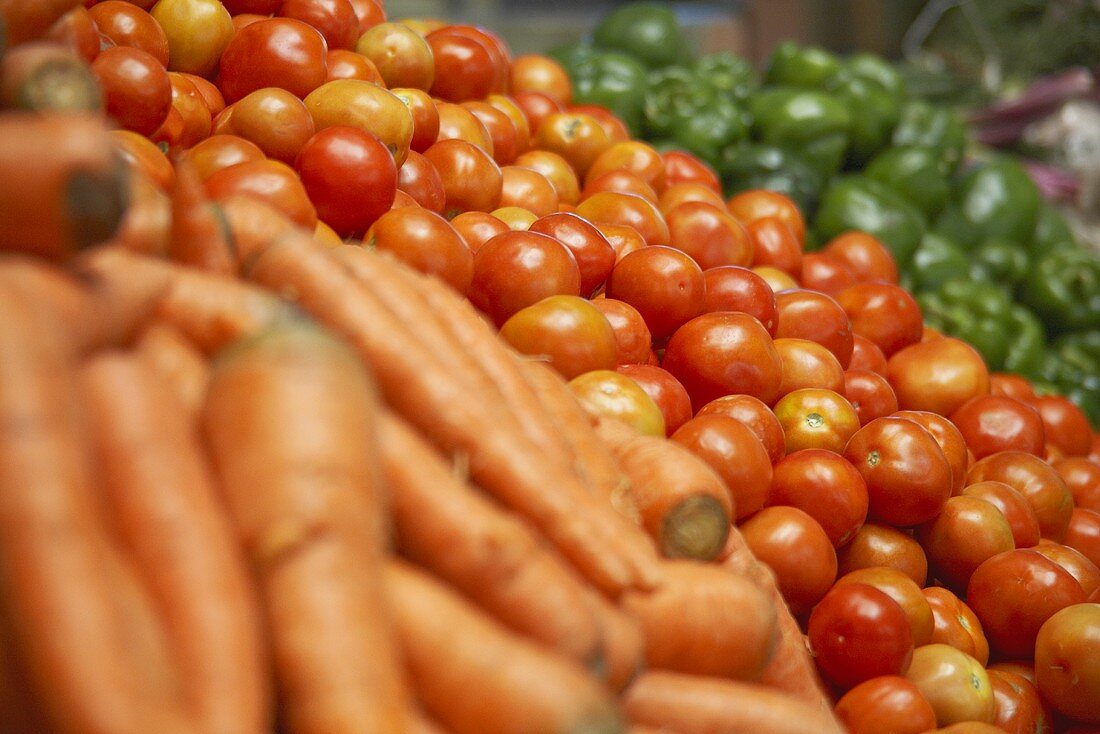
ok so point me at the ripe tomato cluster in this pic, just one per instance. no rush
(935, 527)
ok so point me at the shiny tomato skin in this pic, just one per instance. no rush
(127, 24)
(901, 589)
(198, 32)
(463, 67)
(723, 353)
(477, 228)
(1013, 506)
(418, 178)
(775, 244)
(1064, 424)
(857, 633)
(221, 151)
(335, 20)
(815, 316)
(938, 376)
(797, 551)
(522, 187)
(427, 242)
(994, 423)
(881, 545)
(710, 235)
(557, 170)
(458, 123)
(425, 116)
(733, 288)
(608, 393)
(537, 107)
(734, 452)
(568, 331)
(279, 52)
(865, 255)
(822, 272)
(594, 255)
(622, 181)
(634, 156)
(954, 683)
(886, 704)
(1019, 709)
(950, 440)
(1037, 481)
(367, 106)
(664, 284)
(680, 193)
(578, 138)
(632, 339)
(612, 207)
(666, 391)
(867, 356)
(135, 86)
(751, 206)
(1078, 565)
(681, 167)
(757, 416)
(884, 313)
(272, 118)
(1082, 477)
(273, 182)
(808, 364)
(1083, 534)
(472, 181)
(967, 532)
(955, 624)
(816, 418)
(870, 394)
(345, 64)
(908, 477)
(1067, 652)
(517, 269)
(1014, 593)
(1012, 385)
(501, 129)
(824, 485)
(537, 73)
(186, 99)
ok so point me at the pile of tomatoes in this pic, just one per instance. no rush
(935, 527)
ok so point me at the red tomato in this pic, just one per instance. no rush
(1013, 386)
(732, 288)
(813, 418)
(471, 179)
(607, 393)
(610, 207)
(867, 356)
(498, 50)
(967, 532)
(901, 589)
(857, 633)
(126, 24)
(501, 130)
(426, 241)
(938, 376)
(425, 116)
(632, 339)
(994, 423)
(537, 73)
(578, 138)
(666, 391)
(557, 170)
(880, 545)
(418, 178)
(623, 239)
(209, 93)
(955, 624)
(568, 331)
(757, 416)
(1078, 565)
(135, 86)
(908, 477)
(884, 313)
(403, 58)
(825, 273)
(888, 703)
(279, 52)
(750, 206)
(1014, 593)
(458, 123)
(735, 453)
(614, 127)
(709, 235)
(369, 13)
(192, 108)
(954, 683)
(1037, 481)
(528, 189)
(273, 182)
(1015, 508)
(221, 151)
(518, 119)
(870, 394)
(824, 485)
(517, 269)
(350, 177)
(815, 316)
(808, 364)
(335, 20)
(1019, 710)
(664, 284)
(144, 158)
(684, 191)
(1064, 424)
(594, 255)
(774, 244)
(464, 67)
(1067, 662)
(950, 440)
(623, 182)
(634, 157)
(1082, 477)
(273, 119)
(869, 259)
(477, 228)
(796, 549)
(681, 167)
(345, 64)
(723, 353)
(1083, 534)
(537, 107)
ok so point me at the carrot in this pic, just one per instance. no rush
(476, 677)
(689, 704)
(289, 420)
(254, 225)
(180, 540)
(705, 621)
(198, 236)
(420, 387)
(146, 226)
(45, 76)
(68, 629)
(72, 190)
(19, 713)
(622, 643)
(24, 21)
(684, 505)
(492, 558)
(177, 362)
(420, 723)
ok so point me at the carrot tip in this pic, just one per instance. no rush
(697, 528)
(97, 202)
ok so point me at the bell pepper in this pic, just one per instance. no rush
(928, 126)
(936, 260)
(813, 124)
(920, 175)
(708, 130)
(1000, 261)
(800, 66)
(615, 81)
(994, 200)
(728, 73)
(1075, 374)
(674, 87)
(648, 31)
(752, 166)
(692, 112)
(1063, 287)
(877, 69)
(857, 202)
(1052, 232)
(873, 110)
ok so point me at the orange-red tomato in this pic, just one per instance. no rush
(868, 258)
(519, 120)
(464, 67)
(517, 269)
(815, 316)
(621, 181)
(143, 155)
(472, 181)
(733, 288)
(938, 376)
(774, 244)
(901, 589)
(610, 207)
(665, 285)
(427, 242)
(366, 106)
(568, 331)
(335, 20)
(994, 423)
(816, 418)
(477, 228)
(608, 393)
(594, 255)
(273, 182)
(757, 416)
(458, 123)
(557, 170)
(1013, 386)
(857, 633)
(536, 108)
(735, 453)
(278, 52)
(955, 624)
(345, 64)
(709, 235)
(418, 178)
(796, 549)
(634, 156)
(1036, 480)
(198, 31)
(881, 545)
(950, 440)
(824, 485)
(529, 189)
(622, 238)
(1064, 424)
(273, 119)
(867, 356)
(884, 313)
(1078, 565)
(578, 138)
(825, 273)
(501, 129)
(750, 206)
(402, 56)
(954, 683)
(632, 338)
(77, 31)
(871, 396)
(1067, 662)
(967, 532)
(369, 12)
(808, 364)
(222, 151)
(1082, 477)
(537, 73)
(1015, 508)
(136, 88)
(666, 391)
(615, 128)
(126, 24)
(681, 167)
(186, 99)
(678, 193)
(888, 703)
(425, 117)
(1019, 709)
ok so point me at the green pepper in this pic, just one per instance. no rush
(1064, 374)
(1000, 261)
(995, 200)
(1026, 343)
(920, 175)
(727, 73)
(800, 66)
(811, 123)
(613, 80)
(1081, 349)
(935, 261)
(857, 202)
(570, 55)
(1063, 287)
(748, 166)
(927, 126)
(708, 130)
(877, 69)
(874, 114)
(646, 30)
(1052, 232)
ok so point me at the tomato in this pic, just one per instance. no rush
(736, 454)
(623, 182)
(471, 179)
(1067, 662)
(950, 440)
(824, 485)
(710, 236)
(966, 533)
(197, 32)
(1013, 506)
(1064, 424)
(733, 288)
(994, 423)
(345, 64)
(615, 128)
(170, 133)
(458, 123)
(776, 279)
(1083, 534)
(274, 183)
(221, 151)
(418, 178)
(142, 155)
(750, 206)
(1013, 593)
(774, 244)
(366, 106)
(568, 331)
(955, 624)
(880, 545)
(813, 418)
(369, 12)
(681, 167)
(402, 56)
(1078, 565)
(528, 189)
(335, 20)
(807, 364)
(76, 30)
(516, 217)
(192, 108)
(815, 316)
(867, 356)
(756, 416)
(901, 589)
(537, 107)
(515, 115)
(427, 242)
(128, 25)
(868, 258)
(557, 170)
(610, 207)
(464, 67)
(623, 239)
(857, 633)
(499, 52)
(477, 228)
(1037, 481)
(908, 477)
(278, 52)
(870, 395)
(884, 313)
(664, 284)
(632, 339)
(824, 273)
(634, 157)
(608, 393)
(274, 119)
(1013, 386)
(721, 353)
(252, 7)
(517, 269)
(136, 88)
(954, 683)
(425, 117)
(1018, 708)
(578, 138)
(1082, 477)
(888, 703)
(208, 91)
(666, 391)
(938, 376)
(538, 73)
(796, 549)
(502, 132)
(594, 255)
(684, 191)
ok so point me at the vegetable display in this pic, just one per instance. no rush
(413, 394)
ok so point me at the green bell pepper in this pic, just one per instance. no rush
(1064, 374)
(708, 130)
(928, 126)
(857, 202)
(615, 81)
(728, 73)
(669, 89)
(877, 69)
(752, 166)
(920, 175)
(873, 110)
(994, 200)
(792, 65)
(935, 261)
(1063, 287)
(1052, 232)
(646, 30)
(1000, 261)
(811, 123)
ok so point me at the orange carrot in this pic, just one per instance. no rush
(71, 189)
(45, 76)
(180, 540)
(705, 621)
(178, 363)
(420, 387)
(289, 420)
(199, 237)
(684, 505)
(18, 711)
(688, 704)
(476, 677)
(495, 560)
(254, 225)
(622, 642)
(24, 21)
(420, 723)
